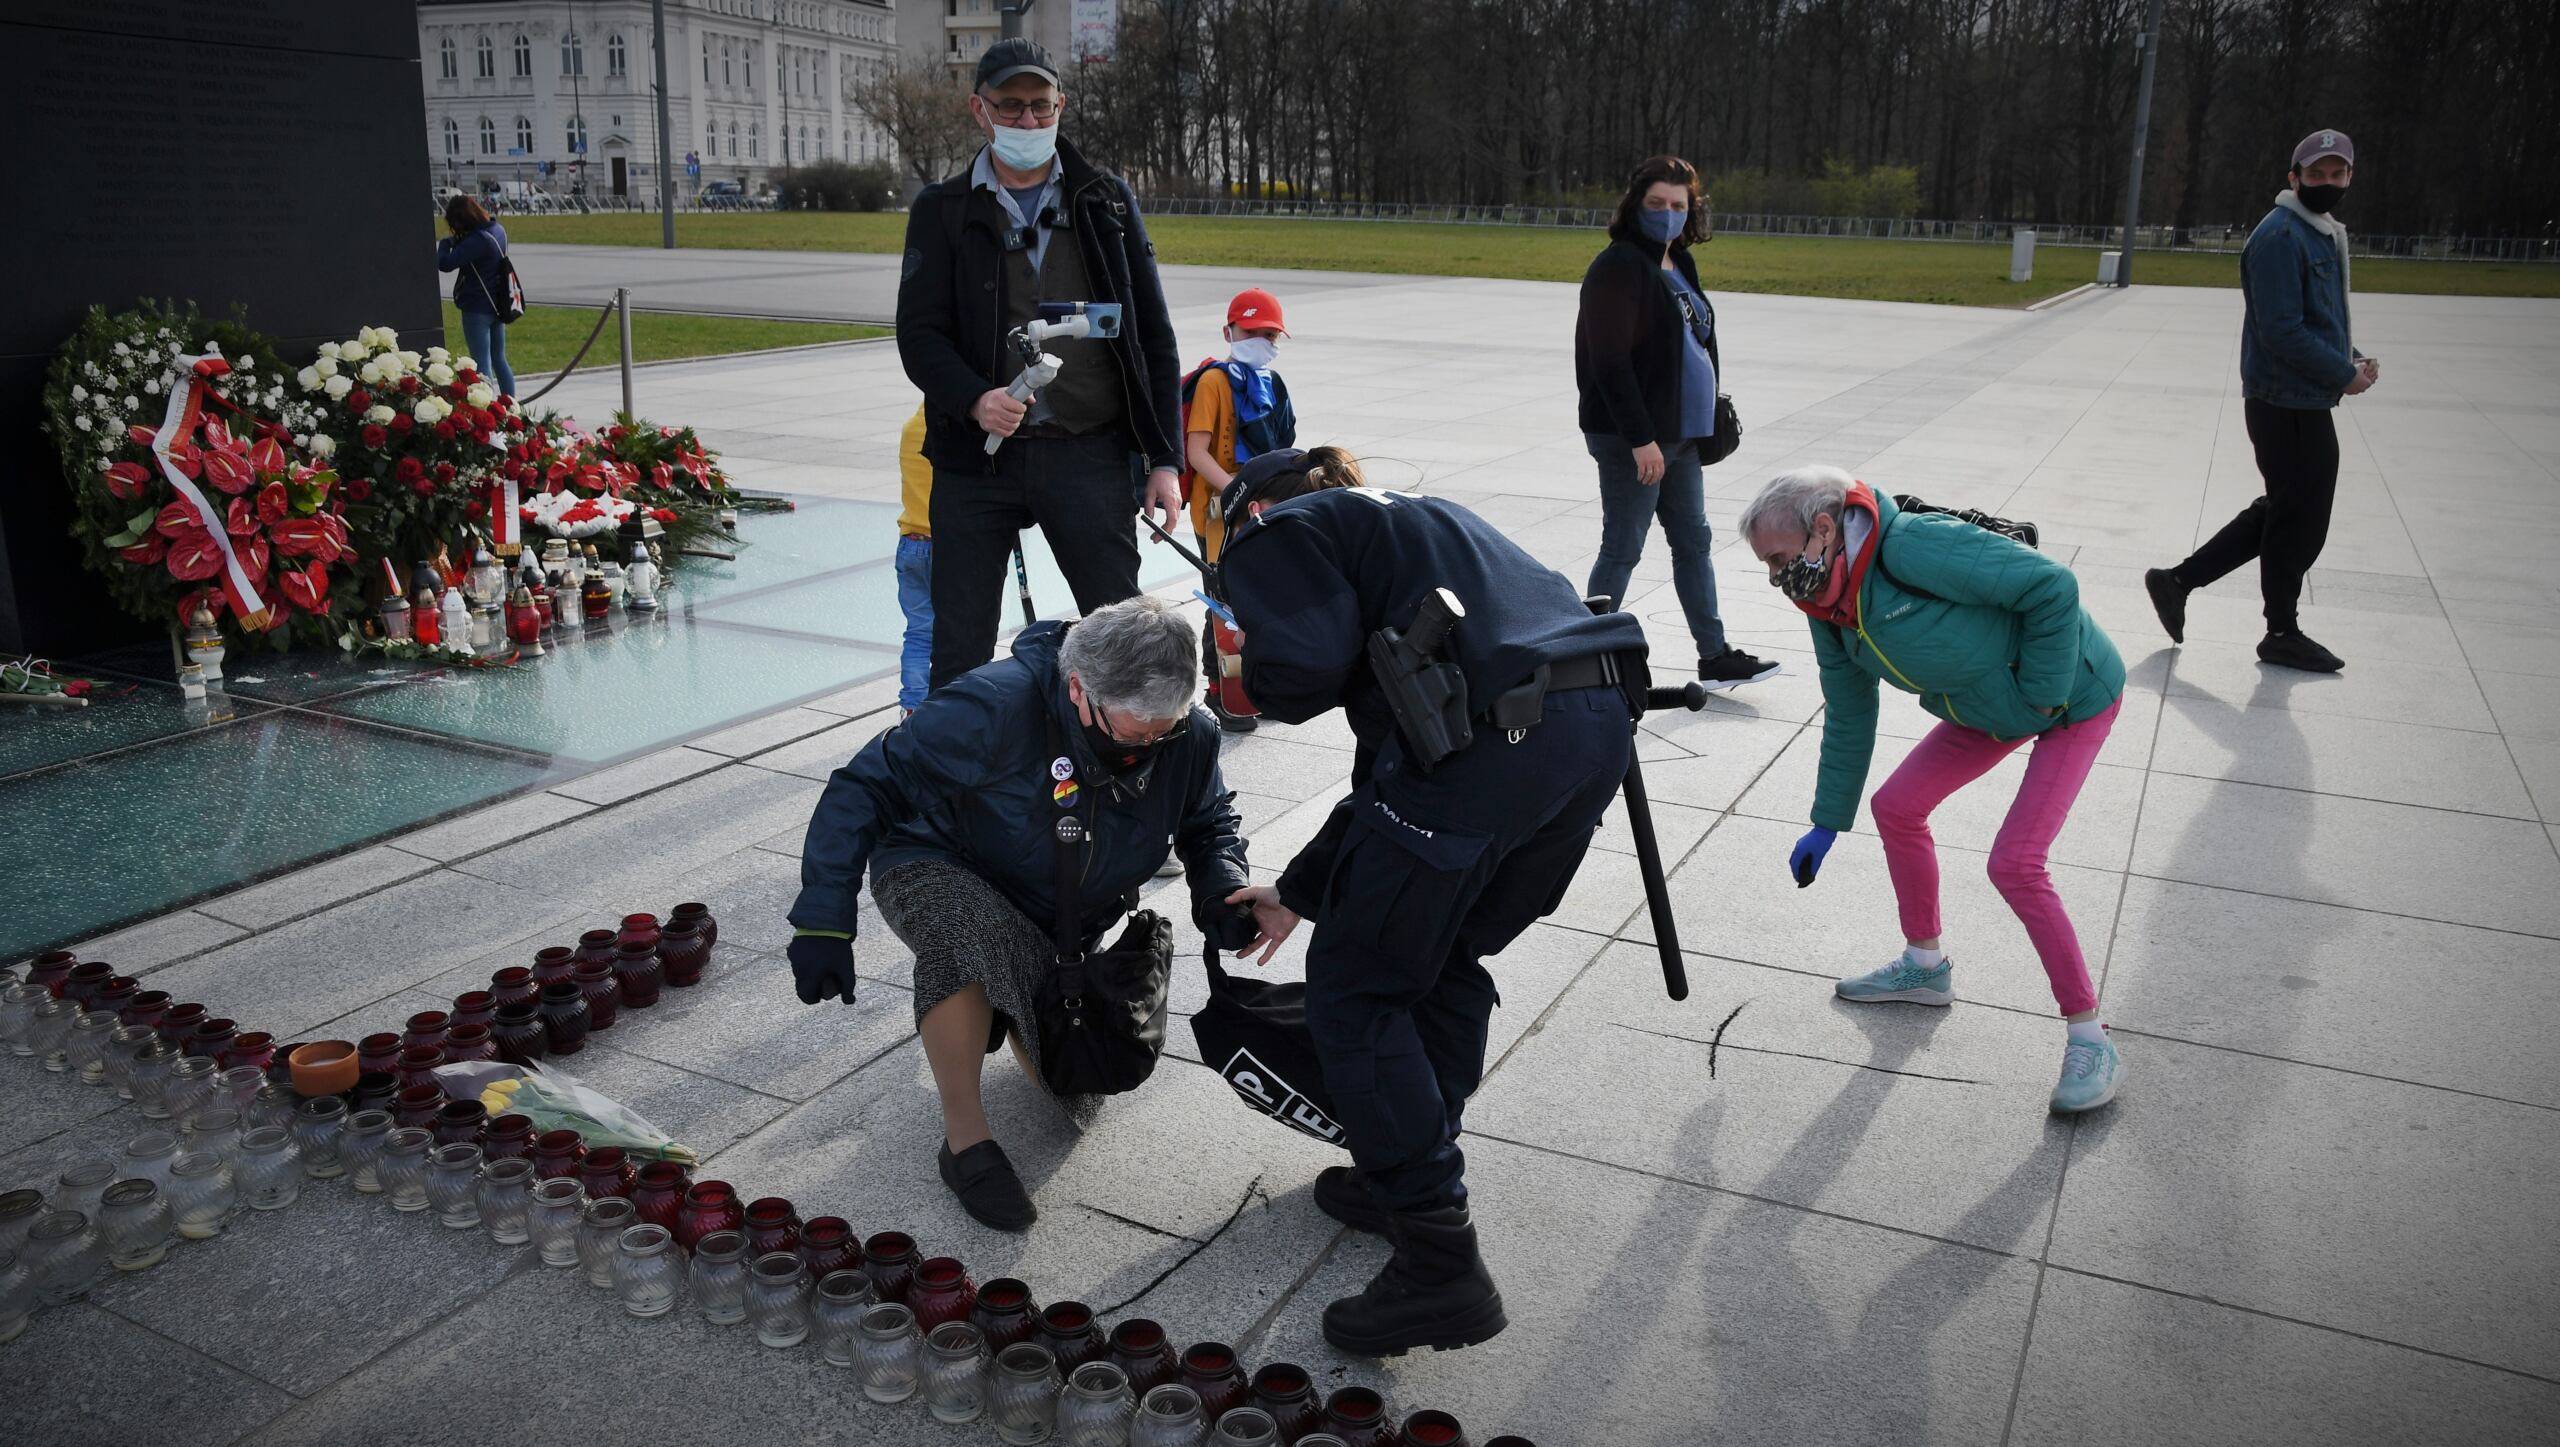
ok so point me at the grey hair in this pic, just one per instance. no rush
(1138, 656)
(1795, 499)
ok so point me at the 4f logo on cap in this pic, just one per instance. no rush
(1062, 767)
(1252, 311)
(1265, 1091)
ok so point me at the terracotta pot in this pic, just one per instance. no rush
(323, 1067)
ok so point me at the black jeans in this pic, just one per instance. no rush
(1075, 488)
(2284, 530)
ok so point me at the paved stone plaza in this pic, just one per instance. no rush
(2324, 909)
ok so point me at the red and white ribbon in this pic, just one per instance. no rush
(186, 412)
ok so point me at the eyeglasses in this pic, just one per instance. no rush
(1121, 736)
(1011, 108)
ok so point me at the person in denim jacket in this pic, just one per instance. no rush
(2297, 357)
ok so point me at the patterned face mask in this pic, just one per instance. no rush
(1804, 579)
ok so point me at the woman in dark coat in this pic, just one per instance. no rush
(478, 250)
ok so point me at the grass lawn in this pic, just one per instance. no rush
(549, 336)
(1923, 271)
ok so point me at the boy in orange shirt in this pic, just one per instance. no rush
(1233, 411)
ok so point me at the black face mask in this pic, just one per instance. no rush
(2319, 200)
(1114, 755)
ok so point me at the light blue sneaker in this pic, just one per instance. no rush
(2091, 1071)
(1904, 979)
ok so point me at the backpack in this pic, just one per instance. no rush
(510, 310)
(1269, 432)
(2015, 531)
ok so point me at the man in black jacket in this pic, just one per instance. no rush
(1420, 872)
(1030, 222)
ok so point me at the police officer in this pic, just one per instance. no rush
(1419, 873)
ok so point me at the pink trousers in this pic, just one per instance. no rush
(1950, 758)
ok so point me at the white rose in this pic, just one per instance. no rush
(389, 362)
(425, 411)
(479, 395)
(355, 351)
(80, 422)
(322, 444)
(79, 393)
(462, 360)
(122, 350)
(438, 354)
(339, 387)
(408, 361)
(370, 374)
(133, 404)
(440, 374)
(329, 351)
(327, 366)
(152, 387)
(309, 377)
(378, 415)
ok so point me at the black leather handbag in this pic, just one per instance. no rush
(1254, 1034)
(1712, 450)
(1100, 1013)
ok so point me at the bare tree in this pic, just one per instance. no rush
(923, 109)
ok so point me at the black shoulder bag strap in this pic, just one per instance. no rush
(1070, 835)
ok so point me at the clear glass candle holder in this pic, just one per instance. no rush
(85, 1049)
(835, 1314)
(18, 1004)
(1022, 1394)
(1327, 1439)
(214, 1126)
(778, 1298)
(403, 1167)
(647, 1270)
(1245, 1427)
(553, 1219)
(274, 1104)
(147, 1156)
(360, 1149)
(202, 1194)
(955, 1373)
(718, 1278)
(453, 1184)
(191, 1085)
(506, 1201)
(50, 1031)
(122, 1045)
(81, 1184)
(1169, 1416)
(600, 1235)
(320, 1129)
(18, 1212)
(1095, 1408)
(268, 1169)
(17, 1297)
(148, 1076)
(65, 1255)
(887, 1357)
(240, 1084)
(134, 1218)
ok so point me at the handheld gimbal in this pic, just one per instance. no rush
(1058, 321)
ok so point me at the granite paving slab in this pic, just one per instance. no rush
(89, 1378)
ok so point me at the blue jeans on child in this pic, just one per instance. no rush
(1627, 511)
(915, 599)
(486, 340)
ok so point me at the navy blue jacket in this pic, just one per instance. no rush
(1312, 578)
(966, 780)
(481, 257)
(2294, 350)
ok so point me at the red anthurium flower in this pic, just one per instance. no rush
(217, 433)
(192, 556)
(372, 435)
(267, 456)
(228, 471)
(126, 480)
(239, 519)
(187, 458)
(146, 552)
(301, 537)
(305, 588)
(142, 436)
(175, 517)
(272, 503)
(254, 555)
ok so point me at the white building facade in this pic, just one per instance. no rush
(560, 94)
(956, 31)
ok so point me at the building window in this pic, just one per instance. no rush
(733, 140)
(755, 140)
(573, 54)
(728, 64)
(485, 58)
(524, 56)
(448, 62)
(710, 141)
(706, 60)
(452, 139)
(488, 136)
(804, 143)
(616, 59)
(848, 143)
(747, 63)
(577, 135)
(524, 134)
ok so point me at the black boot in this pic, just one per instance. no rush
(1434, 1292)
(2169, 600)
(1343, 1193)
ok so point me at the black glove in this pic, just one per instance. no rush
(822, 965)
(1228, 926)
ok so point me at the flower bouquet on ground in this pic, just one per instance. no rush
(555, 1100)
(419, 437)
(32, 680)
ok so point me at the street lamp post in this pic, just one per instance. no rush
(1010, 13)
(2150, 43)
(666, 142)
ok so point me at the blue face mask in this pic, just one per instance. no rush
(1663, 227)
(1025, 148)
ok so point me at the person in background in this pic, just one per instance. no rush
(2297, 357)
(478, 250)
(1232, 412)
(1991, 635)
(1645, 358)
(915, 564)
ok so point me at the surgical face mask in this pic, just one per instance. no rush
(1662, 227)
(2319, 200)
(1255, 352)
(1025, 149)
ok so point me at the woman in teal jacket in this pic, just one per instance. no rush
(1991, 635)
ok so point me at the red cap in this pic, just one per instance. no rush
(1255, 308)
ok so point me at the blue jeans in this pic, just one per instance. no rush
(915, 599)
(486, 340)
(1627, 509)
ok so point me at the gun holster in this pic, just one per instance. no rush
(1425, 691)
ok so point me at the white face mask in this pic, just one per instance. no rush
(1255, 352)
(1024, 149)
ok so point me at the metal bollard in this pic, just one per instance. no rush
(622, 306)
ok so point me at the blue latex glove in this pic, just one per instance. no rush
(1805, 861)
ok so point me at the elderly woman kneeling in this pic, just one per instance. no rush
(1991, 635)
(953, 812)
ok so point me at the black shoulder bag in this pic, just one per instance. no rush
(1101, 1015)
(1701, 321)
(510, 309)
(1254, 1034)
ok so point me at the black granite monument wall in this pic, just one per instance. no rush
(268, 153)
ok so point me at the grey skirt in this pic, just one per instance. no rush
(963, 932)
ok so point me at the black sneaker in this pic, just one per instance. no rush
(2169, 600)
(1734, 668)
(2294, 650)
(988, 1189)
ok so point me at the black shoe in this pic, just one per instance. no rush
(2290, 649)
(1733, 668)
(1434, 1292)
(1343, 1193)
(2169, 600)
(987, 1187)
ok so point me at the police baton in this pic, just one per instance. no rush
(1657, 892)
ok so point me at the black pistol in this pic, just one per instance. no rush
(1426, 692)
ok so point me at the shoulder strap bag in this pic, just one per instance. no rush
(1101, 1014)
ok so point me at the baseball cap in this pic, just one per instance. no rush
(2324, 143)
(1253, 307)
(1006, 59)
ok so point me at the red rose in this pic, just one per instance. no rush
(359, 399)
(359, 488)
(228, 471)
(423, 488)
(305, 588)
(409, 386)
(239, 520)
(467, 375)
(192, 556)
(266, 456)
(444, 472)
(444, 429)
(408, 469)
(76, 688)
(272, 503)
(474, 511)
(401, 422)
(125, 480)
(146, 552)
(372, 435)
